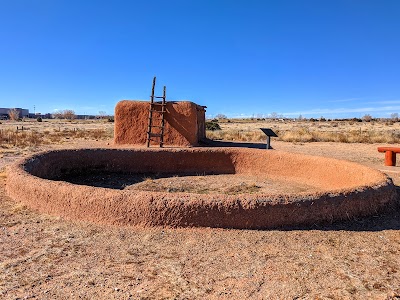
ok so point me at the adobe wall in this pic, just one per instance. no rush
(184, 123)
(347, 189)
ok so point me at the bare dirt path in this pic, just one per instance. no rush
(45, 257)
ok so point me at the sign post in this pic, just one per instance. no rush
(268, 132)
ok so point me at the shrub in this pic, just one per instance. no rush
(13, 114)
(39, 119)
(367, 118)
(212, 126)
(356, 120)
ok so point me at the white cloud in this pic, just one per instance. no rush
(327, 111)
(384, 102)
(345, 100)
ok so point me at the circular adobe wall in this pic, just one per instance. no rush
(344, 189)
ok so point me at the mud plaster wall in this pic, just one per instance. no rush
(351, 190)
(184, 123)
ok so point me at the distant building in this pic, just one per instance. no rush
(23, 113)
(85, 117)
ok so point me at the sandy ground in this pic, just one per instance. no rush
(45, 257)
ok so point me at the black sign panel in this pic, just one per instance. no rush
(268, 132)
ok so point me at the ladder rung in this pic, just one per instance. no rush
(159, 111)
(159, 97)
(155, 134)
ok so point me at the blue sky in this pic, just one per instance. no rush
(333, 58)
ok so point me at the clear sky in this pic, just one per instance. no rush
(331, 58)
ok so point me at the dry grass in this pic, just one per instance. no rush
(343, 132)
(304, 134)
(11, 138)
(219, 184)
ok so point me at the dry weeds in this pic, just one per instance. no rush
(220, 184)
(335, 131)
(21, 139)
(20, 135)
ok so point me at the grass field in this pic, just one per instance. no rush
(307, 131)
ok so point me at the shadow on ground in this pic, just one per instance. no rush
(119, 181)
(211, 143)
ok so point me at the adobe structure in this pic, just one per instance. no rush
(184, 123)
(331, 189)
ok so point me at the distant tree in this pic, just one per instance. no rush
(394, 116)
(356, 120)
(13, 114)
(69, 114)
(58, 114)
(102, 114)
(273, 115)
(221, 116)
(300, 117)
(367, 118)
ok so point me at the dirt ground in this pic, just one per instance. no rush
(46, 257)
(231, 184)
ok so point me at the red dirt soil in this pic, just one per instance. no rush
(345, 189)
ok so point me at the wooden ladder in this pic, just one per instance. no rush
(159, 109)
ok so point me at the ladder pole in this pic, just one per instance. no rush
(162, 116)
(151, 112)
(152, 90)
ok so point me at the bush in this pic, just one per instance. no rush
(212, 126)
(367, 118)
(356, 120)
(39, 119)
(13, 114)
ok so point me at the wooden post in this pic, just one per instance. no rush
(151, 112)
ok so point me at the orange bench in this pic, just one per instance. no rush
(390, 155)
